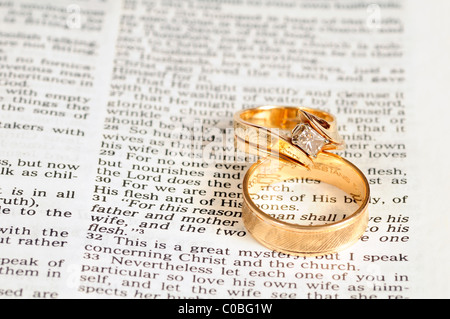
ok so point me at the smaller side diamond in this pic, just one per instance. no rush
(308, 139)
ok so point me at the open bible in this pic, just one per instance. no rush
(119, 177)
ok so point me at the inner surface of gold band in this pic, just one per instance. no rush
(328, 168)
(281, 117)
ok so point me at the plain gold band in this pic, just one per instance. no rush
(299, 239)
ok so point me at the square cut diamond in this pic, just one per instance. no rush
(308, 139)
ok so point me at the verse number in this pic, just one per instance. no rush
(110, 127)
(102, 179)
(97, 198)
(91, 256)
(94, 236)
(107, 152)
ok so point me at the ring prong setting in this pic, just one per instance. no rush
(308, 139)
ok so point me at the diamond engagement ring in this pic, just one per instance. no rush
(294, 133)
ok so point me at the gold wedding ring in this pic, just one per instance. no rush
(299, 239)
(295, 141)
